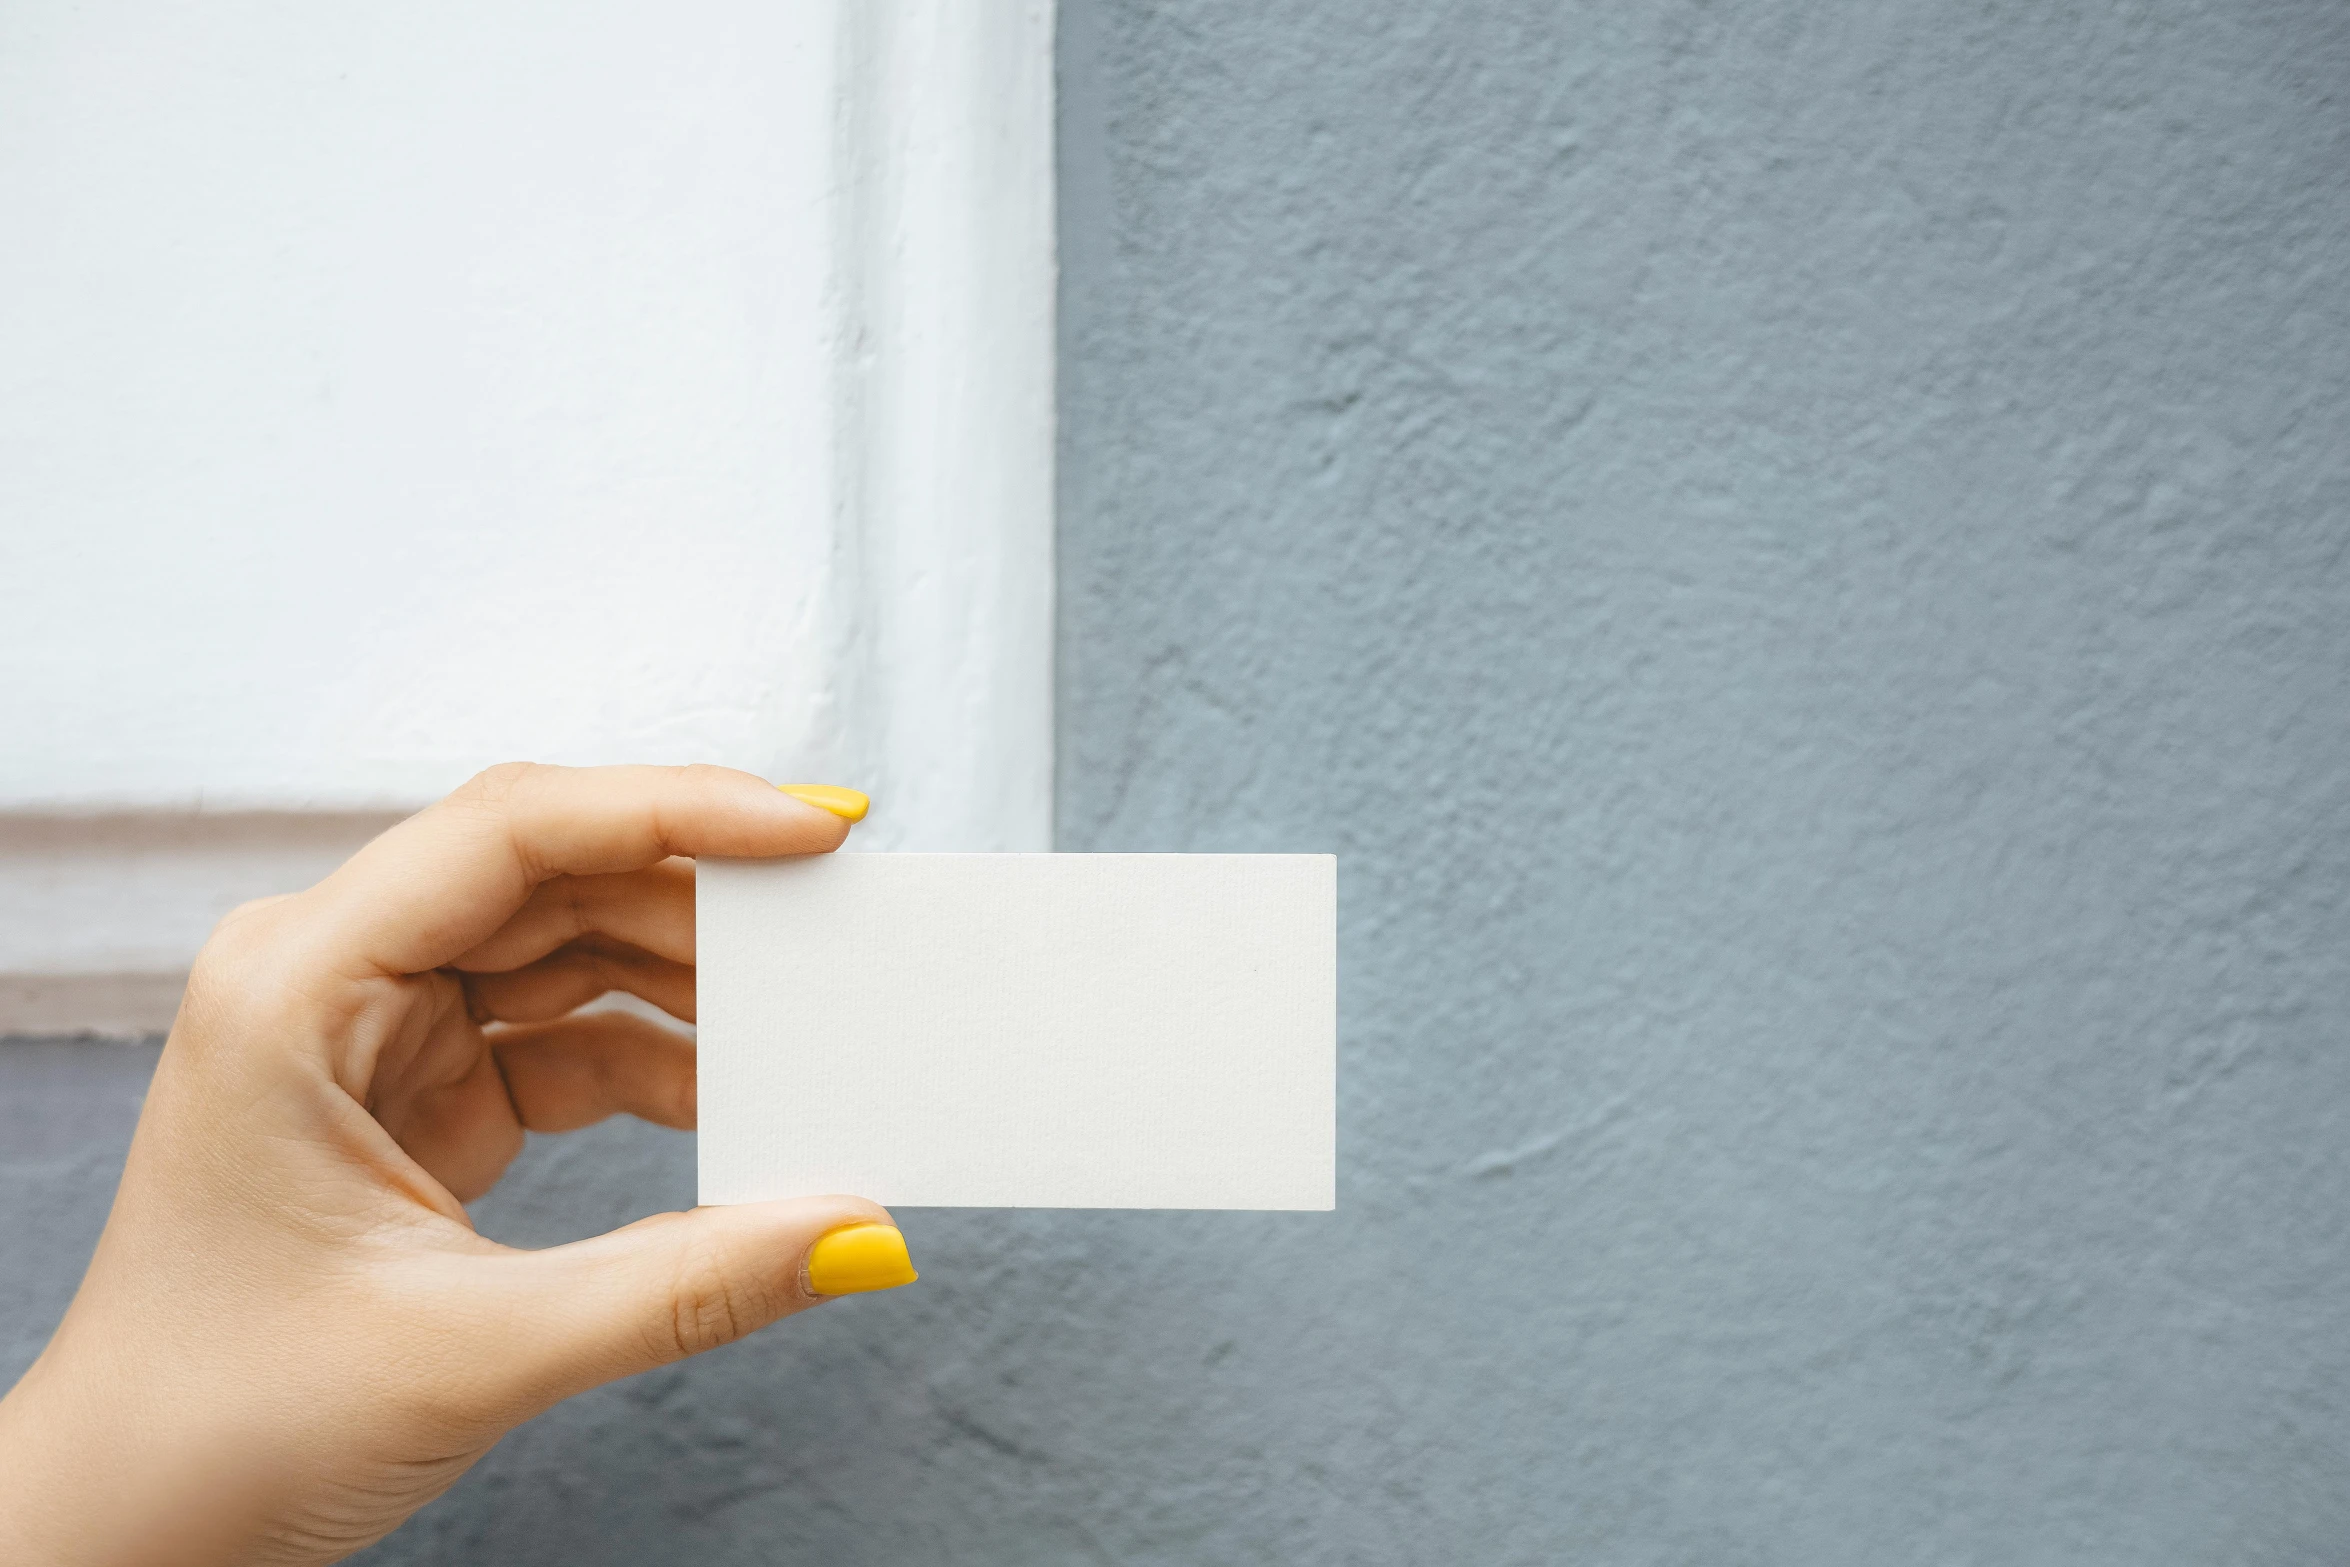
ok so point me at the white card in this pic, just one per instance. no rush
(1020, 1030)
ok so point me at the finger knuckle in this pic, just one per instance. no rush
(241, 942)
(242, 972)
(712, 1305)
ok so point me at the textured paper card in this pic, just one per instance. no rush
(1020, 1030)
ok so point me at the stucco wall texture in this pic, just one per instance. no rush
(1798, 555)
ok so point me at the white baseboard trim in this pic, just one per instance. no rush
(143, 1006)
(106, 1006)
(101, 915)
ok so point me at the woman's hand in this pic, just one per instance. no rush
(290, 1337)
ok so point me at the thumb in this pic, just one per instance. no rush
(677, 1284)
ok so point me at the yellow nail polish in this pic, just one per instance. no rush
(860, 1258)
(847, 804)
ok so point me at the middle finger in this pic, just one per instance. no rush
(575, 974)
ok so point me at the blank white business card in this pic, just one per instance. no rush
(1020, 1030)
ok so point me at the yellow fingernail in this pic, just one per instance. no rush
(847, 804)
(860, 1258)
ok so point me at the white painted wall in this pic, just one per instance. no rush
(387, 392)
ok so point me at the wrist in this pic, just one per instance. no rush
(91, 1480)
(38, 1449)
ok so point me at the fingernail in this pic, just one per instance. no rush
(847, 804)
(860, 1258)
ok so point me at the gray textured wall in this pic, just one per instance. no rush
(1798, 555)
(1800, 560)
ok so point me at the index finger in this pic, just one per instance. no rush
(446, 878)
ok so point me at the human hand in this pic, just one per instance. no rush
(290, 1336)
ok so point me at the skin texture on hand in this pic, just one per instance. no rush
(290, 1336)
